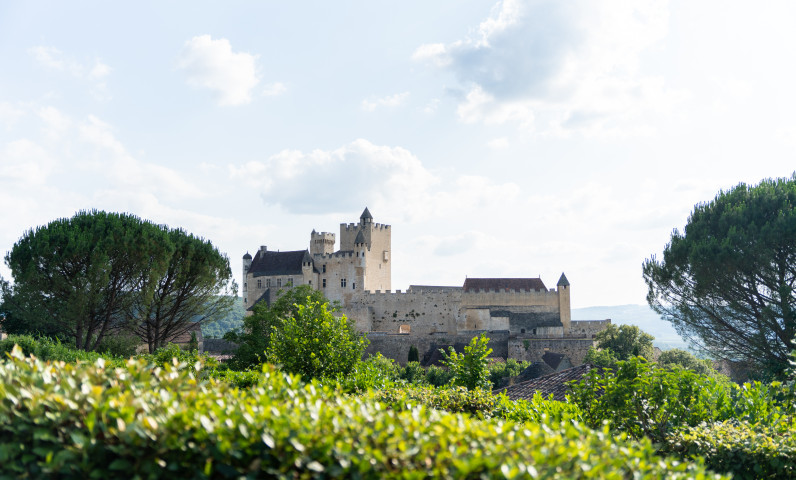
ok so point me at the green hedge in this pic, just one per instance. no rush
(139, 421)
(747, 451)
(480, 403)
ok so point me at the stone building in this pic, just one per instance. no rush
(524, 319)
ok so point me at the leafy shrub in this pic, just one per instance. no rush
(537, 410)
(316, 344)
(414, 354)
(82, 420)
(645, 399)
(601, 358)
(374, 372)
(470, 369)
(413, 373)
(48, 349)
(687, 360)
(438, 376)
(499, 372)
(455, 399)
(745, 450)
(123, 346)
(254, 338)
(238, 379)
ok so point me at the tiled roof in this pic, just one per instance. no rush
(366, 214)
(553, 359)
(267, 263)
(265, 296)
(562, 281)
(555, 383)
(503, 284)
(528, 319)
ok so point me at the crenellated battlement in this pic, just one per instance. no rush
(335, 255)
(323, 235)
(357, 226)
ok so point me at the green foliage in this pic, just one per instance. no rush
(686, 360)
(625, 342)
(499, 372)
(232, 321)
(193, 343)
(414, 355)
(83, 276)
(470, 369)
(91, 421)
(438, 376)
(375, 372)
(90, 276)
(413, 373)
(601, 358)
(197, 286)
(745, 450)
(253, 342)
(727, 282)
(476, 402)
(537, 410)
(647, 400)
(314, 343)
(122, 345)
(47, 349)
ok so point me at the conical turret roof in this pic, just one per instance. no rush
(360, 238)
(563, 282)
(366, 214)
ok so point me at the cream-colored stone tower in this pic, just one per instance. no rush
(362, 264)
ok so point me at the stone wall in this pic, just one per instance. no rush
(424, 310)
(396, 346)
(531, 349)
(588, 328)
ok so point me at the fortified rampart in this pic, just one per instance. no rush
(523, 318)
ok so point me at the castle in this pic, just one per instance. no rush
(523, 318)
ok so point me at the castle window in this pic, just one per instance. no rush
(309, 282)
(534, 331)
(324, 268)
(289, 282)
(353, 286)
(245, 285)
(267, 283)
(278, 283)
(342, 282)
(324, 283)
(259, 283)
(244, 300)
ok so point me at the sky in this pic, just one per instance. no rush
(499, 139)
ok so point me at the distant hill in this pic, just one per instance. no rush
(640, 315)
(233, 320)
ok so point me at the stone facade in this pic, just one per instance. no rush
(522, 316)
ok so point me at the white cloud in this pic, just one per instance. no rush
(431, 106)
(558, 66)
(390, 179)
(10, 114)
(94, 71)
(498, 143)
(25, 162)
(390, 101)
(274, 89)
(213, 65)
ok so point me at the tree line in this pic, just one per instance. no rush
(99, 275)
